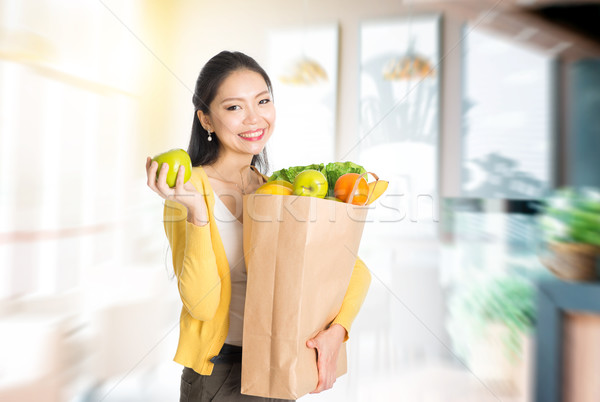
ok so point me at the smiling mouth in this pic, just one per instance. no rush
(253, 135)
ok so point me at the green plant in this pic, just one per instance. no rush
(507, 300)
(572, 216)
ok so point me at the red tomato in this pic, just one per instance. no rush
(345, 184)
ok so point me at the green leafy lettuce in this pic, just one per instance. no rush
(290, 173)
(334, 170)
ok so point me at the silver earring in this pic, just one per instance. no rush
(209, 135)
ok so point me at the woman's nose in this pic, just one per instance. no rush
(251, 115)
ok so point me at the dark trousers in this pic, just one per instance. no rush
(223, 385)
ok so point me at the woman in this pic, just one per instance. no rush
(234, 119)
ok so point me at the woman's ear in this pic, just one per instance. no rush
(204, 120)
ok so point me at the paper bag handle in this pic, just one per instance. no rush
(351, 195)
(255, 170)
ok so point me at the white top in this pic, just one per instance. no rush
(231, 232)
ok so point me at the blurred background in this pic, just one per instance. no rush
(475, 112)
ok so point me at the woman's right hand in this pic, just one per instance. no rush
(183, 193)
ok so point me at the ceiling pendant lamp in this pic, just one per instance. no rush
(407, 67)
(411, 65)
(305, 72)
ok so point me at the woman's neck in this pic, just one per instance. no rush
(230, 168)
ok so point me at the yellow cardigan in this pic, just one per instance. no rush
(204, 283)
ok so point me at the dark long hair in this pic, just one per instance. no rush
(214, 72)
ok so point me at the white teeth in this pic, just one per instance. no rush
(252, 135)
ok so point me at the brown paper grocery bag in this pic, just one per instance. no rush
(300, 253)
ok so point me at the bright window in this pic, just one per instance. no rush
(507, 137)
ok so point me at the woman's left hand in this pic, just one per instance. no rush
(327, 343)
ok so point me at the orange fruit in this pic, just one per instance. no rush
(345, 184)
(277, 187)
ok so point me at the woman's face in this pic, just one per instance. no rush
(242, 113)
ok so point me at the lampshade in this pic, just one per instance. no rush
(305, 72)
(408, 67)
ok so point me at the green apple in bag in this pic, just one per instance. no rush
(310, 183)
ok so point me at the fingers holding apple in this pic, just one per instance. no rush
(161, 178)
(182, 185)
(151, 173)
(180, 180)
(168, 176)
(165, 169)
(157, 178)
(174, 158)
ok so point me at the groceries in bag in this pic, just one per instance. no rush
(333, 181)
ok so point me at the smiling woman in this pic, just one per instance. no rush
(229, 69)
(244, 122)
(233, 120)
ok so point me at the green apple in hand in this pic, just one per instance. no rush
(175, 158)
(311, 183)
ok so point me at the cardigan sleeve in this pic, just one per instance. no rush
(355, 296)
(194, 262)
